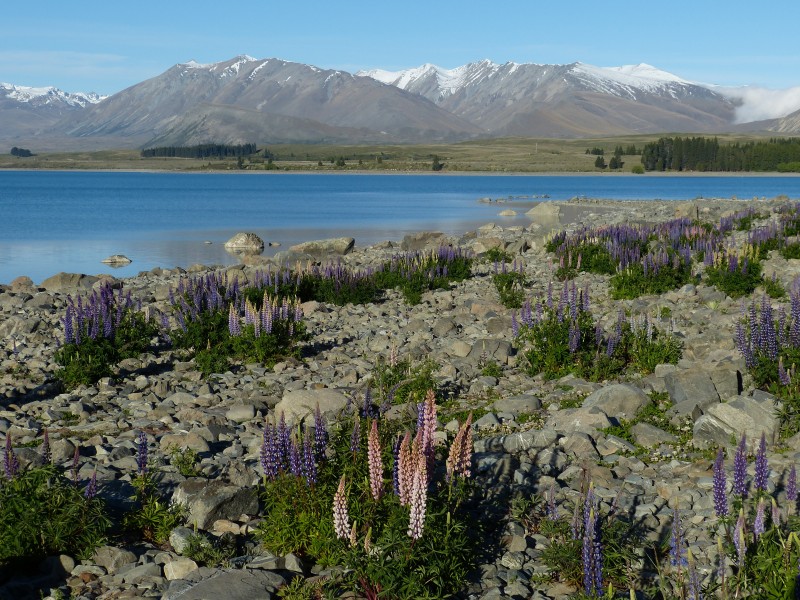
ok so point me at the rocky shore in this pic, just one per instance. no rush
(531, 435)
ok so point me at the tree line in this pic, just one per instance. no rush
(203, 151)
(21, 152)
(707, 154)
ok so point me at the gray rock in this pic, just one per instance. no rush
(546, 214)
(178, 568)
(689, 389)
(517, 405)
(208, 501)
(245, 242)
(322, 248)
(423, 240)
(112, 558)
(117, 260)
(69, 282)
(651, 436)
(179, 538)
(232, 584)
(533, 439)
(491, 349)
(723, 424)
(587, 420)
(619, 400)
(297, 405)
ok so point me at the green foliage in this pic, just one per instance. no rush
(773, 287)
(492, 369)
(589, 258)
(637, 170)
(185, 460)
(401, 381)
(383, 558)
(203, 151)
(790, 251)
(510, 286)
(42, 514)
(557, 346)
(86, 362)
(736, 282)
(707, 154)
(497, 255)
(634, 281)
(210, 552)
(153, 519)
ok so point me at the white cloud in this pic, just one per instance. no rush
(758, 104)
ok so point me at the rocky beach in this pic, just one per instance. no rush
(533, 438)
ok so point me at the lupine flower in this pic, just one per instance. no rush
(791, 487)
(740, 469)
(374, 462)
(460, 455)
(695, 591)
(762, 467)
(270, 459)
(419, 499)
(405, 470)
(91, 488)
(739, 540)
(552, 509)
(426, 433)
(776, 513)
(141, 453)
(309, 465)
(295, 462)
(677, 557)
(720, 493)
(75, 458)
(47, 453)
(320, 434)
(10, 461)
(341, 520)
(758, 525)
(591, 551)
(396, 467)
(355, 437)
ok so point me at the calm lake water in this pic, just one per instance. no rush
(69, 221)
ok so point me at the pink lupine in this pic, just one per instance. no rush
(341, 520)
(375, 463)
(405, 470)
(419, 499)
(460, 455)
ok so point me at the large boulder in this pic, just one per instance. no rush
(245, 242)
(619, 400)
(423, 240)
(322, 248)
(723, 424)
(690, 390)
(207, 501)
(69, 282)
(297, 405)
(546, 214)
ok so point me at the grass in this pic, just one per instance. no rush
(534, 155)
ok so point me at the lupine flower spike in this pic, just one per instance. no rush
(91, 488)
(341, 520)
(762, 467)
(374, 462)
(10, 462)
(419, 499)
(141, 453)
(791, 489)
(47, 453)
(720, 492)
(740, 469)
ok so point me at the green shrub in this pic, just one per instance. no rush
(510, 286)
(399, 381)
(636, 281)
(734, 276)
(42, 514)
(791, 251)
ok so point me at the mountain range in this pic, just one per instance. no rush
(273, 101)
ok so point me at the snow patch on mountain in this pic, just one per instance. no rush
(48, 95)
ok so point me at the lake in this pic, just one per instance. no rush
(69, 221)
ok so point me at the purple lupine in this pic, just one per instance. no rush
(91, 488)
(762, 467)
(295, 461)
(234, 329)
(720, 482)
(309, 466)
(396, 466)
(269, 455)
(552, 509)
(284, 442)
(141, 453)
(591, 553)
(740, 469)
(10, 461)
(739, 541)
(695, 591)
(355, 437)
(677, 555)
(320, 434)
(791, 487)
(47, 453)
(758, 525)
(783, 377)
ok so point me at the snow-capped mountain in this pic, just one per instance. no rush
(566, 100)
(271, 100)
(40, 96)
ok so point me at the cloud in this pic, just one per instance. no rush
(758, 104)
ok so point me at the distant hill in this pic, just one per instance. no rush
(272, 101)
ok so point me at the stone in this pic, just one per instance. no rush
(207, 501)
(690, 389)
(423, 240)
(112, 558)
(723, 424)
(69, 282)
(507, 213)
(22, 283)
(117, 260)
(586, 420)
(178, 568)
(523, 441)
(651, 436)
(518, 405)
(322, 248)
(297, 405)
(233, 584)
(179, 538)
(491, 349)
(546, 214)
(619, 400)
(245, 242)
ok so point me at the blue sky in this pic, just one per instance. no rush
(108, 46)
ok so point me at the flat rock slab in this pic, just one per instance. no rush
(724, 424)
(69, 281)
(321, 248)
(230, 584)
(208, 501)
(618, 400)
(297, 405)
